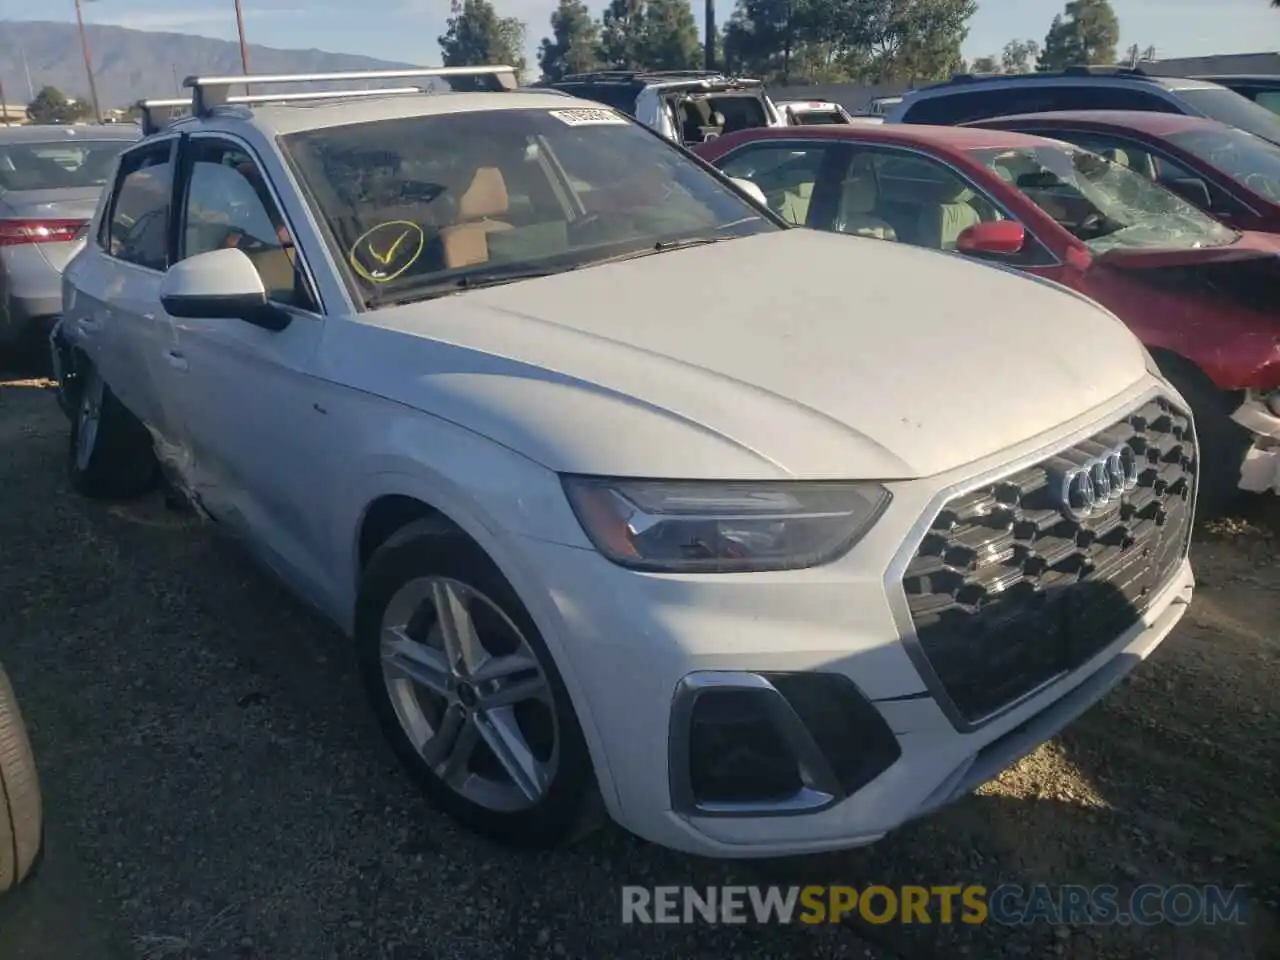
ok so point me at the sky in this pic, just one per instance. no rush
(406, 30)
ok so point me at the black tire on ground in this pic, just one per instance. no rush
(21, 812)
(570, 807)
(120, 463)
(1223, 442)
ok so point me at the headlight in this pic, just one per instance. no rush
(701, 526)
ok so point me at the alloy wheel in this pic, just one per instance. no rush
(469, 693)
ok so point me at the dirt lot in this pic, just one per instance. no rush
(215, 787)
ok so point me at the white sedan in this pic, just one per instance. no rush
(505, 386)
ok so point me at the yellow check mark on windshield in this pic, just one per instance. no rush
(385, 258)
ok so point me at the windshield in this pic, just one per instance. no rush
(424, 205)
(1230, 108)
(1250, 161)
(806, 118)
(58, 165)
(1104, 204)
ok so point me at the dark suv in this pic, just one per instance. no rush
(965, 98)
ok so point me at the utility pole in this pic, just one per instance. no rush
(244, 47)
(4, 103)
(711, 35)
(88, 62)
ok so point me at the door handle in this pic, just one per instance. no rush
(176, 360)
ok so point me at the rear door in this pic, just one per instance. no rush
(114, 290)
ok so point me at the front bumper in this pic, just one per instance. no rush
(639, 642)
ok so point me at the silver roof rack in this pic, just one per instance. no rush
(208, 93)
(158, 114)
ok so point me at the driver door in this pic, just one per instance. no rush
(254, 423)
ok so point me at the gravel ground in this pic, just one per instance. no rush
(215, 787)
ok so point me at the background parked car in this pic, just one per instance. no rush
(1198, 294)
(687, 106)
(21, 811)
(966, 98)
(50, 180)
(806, 113)
(1231, 175)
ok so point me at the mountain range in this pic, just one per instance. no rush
(132, 64)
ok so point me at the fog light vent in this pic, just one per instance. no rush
(736, 753)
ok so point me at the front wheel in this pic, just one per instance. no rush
(467, 692)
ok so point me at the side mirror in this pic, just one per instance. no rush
(750, 189)
(220, 285)
(1001, 238)
(1193, 190)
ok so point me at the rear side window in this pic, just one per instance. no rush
(618, 97)
(137, 223)
(1040, 98)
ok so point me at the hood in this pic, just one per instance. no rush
(1249, 245)
(872, 360)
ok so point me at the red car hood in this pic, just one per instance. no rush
(1251, 245)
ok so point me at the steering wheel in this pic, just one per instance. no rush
(1092, 222)
(1261, 183)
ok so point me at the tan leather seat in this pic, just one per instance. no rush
(942, 222)
(856, 215)
(467, 242)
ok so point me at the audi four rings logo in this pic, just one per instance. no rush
(1093, 486)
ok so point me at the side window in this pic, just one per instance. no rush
(228, 204)
(1122, 98)
(137, 226)
(1269, 99)
(786, 173)
(910, 198)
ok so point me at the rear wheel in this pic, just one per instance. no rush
(21, 812)
(467, 691)
(110, 455)
(1223, 442)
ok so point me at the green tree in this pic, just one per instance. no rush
(650, 34)
(671, 36)
(475, 35)
(1019, 55)
(1086, 32)
(622, 34)
(574, 44)
(985, 65)
(916, 39)
(52, 106)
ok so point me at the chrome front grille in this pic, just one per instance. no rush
(1018, 582)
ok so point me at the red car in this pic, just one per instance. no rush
(1231, 175)
(1204, 298)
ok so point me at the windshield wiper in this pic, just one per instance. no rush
(468, 281)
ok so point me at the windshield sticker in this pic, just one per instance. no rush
(587, 116)
(387, 250)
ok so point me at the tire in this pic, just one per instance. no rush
(21, 811)
(424, 563)
(110, 454)
(1223, 442)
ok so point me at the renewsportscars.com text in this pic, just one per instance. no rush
(1008, 904)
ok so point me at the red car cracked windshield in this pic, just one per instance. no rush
(1204, 298)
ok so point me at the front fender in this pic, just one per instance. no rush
(510, 500)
